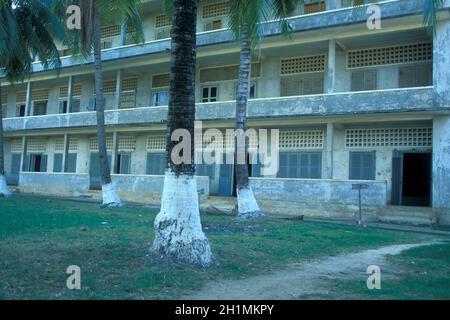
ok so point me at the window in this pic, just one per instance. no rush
(156, 163)
(364, 80)
(415, 76)
(71, 162)
(37, 162)
(62, 106)
(305, 165)
(20, 110)
(39, 108)
(362, 165)
(160, 98)
(128, 99)
(212, 25)
(209, 94)
(301, 85)
(123, 163)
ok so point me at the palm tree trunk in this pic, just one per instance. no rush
(4, 190)
(247, 205)
(109, 194)
(178, 229)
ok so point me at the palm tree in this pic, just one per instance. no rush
(27, 29)
(93, 12)
(178, 230)
(246, 18)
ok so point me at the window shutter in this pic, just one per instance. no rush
(72, 163)
(125, 163)
(57, 162)
(43, 163)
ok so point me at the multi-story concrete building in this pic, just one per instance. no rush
(351, 103)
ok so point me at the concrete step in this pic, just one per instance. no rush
(408, 215)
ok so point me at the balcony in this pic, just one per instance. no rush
(303, 23)
(338, 104)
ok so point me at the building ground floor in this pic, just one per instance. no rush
(401, 160)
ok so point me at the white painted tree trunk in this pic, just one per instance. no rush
(178, 229)
(110, 197)
(247, 205)
(4, 190)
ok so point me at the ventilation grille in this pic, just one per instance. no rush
(156, 143)
(41, 94)
(21, 96)
(93, 144)
(110, 31)
(109, 86)
(226, 73)
(129, 84)
(36, 145)
(419, 52)
(314, 7)
(64, 91)
(162, 21)
(128, 100)
(16, 145)
(160, 81)
(127, 143)
(306, 64)
(73, 144)
(215, 10)
(389, 137)
(310, 139)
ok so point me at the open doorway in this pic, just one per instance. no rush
(411, 179)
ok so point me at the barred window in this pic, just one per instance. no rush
(160, 81)
(162, 21)
(226, 73)
(127, 143)
(129, 84)
(21, 96)
(93, 144)
(314, 7)
(418, 52)
(305, 64)
(389, 137)
(41, 94)
(76, 91)
(306, 139)
(36, 145)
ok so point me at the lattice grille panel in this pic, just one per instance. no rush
(216, 10)
(110, 31)
(418, 52)
(41, 94)
(16, 145)
(307, 139)
(128, 100)
(76, 91)
(93, 144)
(109, 86)
(36, 145)
(156, 143)
(73, 144)
(162, 21)
(129, 84)
(127, 143)
(304, 64)
(389, 137)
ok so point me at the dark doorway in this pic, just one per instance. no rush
(416, 182)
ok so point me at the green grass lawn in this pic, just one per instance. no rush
(40, 237)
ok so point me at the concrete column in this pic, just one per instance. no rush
(441, 63)
(114, 153)
(118, 89)
(331, 4)
(28, 99)
(23, 164)
(329, 151)
(65, 153)
(331, 70)
(69, 95)
(123, 35)
(441, 168)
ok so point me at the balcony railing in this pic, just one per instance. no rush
(349, 103)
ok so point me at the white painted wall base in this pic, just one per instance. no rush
(4, 190)
(110, 197)
(247, 206)
(178, 229)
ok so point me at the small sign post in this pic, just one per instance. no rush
(359, 187)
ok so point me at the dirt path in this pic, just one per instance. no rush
(303, 280)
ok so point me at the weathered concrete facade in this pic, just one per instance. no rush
(352, 104)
